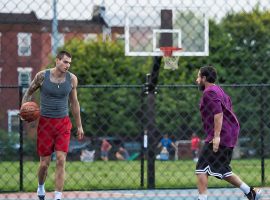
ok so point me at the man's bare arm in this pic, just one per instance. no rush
(75, 107)
(35, 84)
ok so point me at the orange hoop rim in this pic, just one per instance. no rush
(167, 51)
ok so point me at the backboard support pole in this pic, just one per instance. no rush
(153, 132)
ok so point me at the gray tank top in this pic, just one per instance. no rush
(54, 97)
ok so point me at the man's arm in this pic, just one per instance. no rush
(35, 84)
(75, 107)
(174, 145)
(218, 118)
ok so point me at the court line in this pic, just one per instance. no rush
(218, 193)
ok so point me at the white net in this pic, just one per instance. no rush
(171, 62)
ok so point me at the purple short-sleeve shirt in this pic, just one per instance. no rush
(214, 101)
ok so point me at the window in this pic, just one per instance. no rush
(119, 37)
(0, 43)
(0, 77)
(90, 37)
(60, 41)
(106, 34)
(24, 78)
(24, 44)
(13, 121)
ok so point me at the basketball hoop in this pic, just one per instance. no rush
(170, 61)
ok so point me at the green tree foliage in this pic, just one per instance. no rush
(239, 49)
(111, 109)
(242, 57)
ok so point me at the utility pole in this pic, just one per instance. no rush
(55, 37)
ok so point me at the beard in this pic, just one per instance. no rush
(201, 87)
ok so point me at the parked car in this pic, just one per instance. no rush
(246, 147)
(75, 148)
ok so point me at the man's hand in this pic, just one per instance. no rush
(216, 141)
(80, 133)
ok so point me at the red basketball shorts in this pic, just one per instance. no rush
(53, 135)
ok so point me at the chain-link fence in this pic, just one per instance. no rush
(122, 118)
(112, 43)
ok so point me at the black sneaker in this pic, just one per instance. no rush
(254, 194)
(41, 197)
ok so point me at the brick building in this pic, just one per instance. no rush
(25, 49)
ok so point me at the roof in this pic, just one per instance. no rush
(31, 18)
(18, 18)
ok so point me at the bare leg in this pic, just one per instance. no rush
(60, 170)
(104, 158)
(234, 180)
(43, 169)
(202, 183)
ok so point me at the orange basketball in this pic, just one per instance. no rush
(30, 111)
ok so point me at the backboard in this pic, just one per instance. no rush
(147, 28)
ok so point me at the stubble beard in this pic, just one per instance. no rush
(201, 87)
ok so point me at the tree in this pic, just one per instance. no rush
(108, 108)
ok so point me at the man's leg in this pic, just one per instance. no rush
(42, 174)
(250, 192)
(60, 173)
(202, 183)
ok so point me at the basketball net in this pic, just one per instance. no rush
(170, 61)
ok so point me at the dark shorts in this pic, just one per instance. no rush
(215, 164)
(104, 153)
(53, 135)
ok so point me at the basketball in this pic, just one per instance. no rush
(29, 111)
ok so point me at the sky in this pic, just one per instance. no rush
(115, 9)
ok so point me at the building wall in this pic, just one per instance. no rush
(39, 59)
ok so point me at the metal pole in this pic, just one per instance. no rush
(21, 141)
(142, 137)
(262, 123)
(55, 36)
(151, 124)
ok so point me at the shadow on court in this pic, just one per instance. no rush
(214, 194)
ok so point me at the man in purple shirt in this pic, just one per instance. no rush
(222, 129)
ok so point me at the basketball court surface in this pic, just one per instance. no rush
(187, 194)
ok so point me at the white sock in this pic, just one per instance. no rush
(202, 197)
(41, 189)
(57, 195)
(245, 188)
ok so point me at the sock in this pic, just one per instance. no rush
(245, 188)
(57, 195)
(202, 197)
(41, 189)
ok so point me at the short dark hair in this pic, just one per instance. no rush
(63, 53)
(209, 72)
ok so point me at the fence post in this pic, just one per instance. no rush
(143, 149)
(21, 140)
(262, 123)
(151, 124)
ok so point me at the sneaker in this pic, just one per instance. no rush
(41, 197)
(254, 194)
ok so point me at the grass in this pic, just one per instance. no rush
(124, 175)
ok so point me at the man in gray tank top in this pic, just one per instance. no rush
(58, 88)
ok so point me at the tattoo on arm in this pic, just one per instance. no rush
(35, 84)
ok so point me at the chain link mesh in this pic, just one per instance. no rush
(119, 107)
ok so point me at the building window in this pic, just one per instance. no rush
(90, 37)
(60, 41)
(0, 43)
(13, 121)
(24, 44)
(119, 37)
(24, 78)
(0, 77)
(106, 33)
